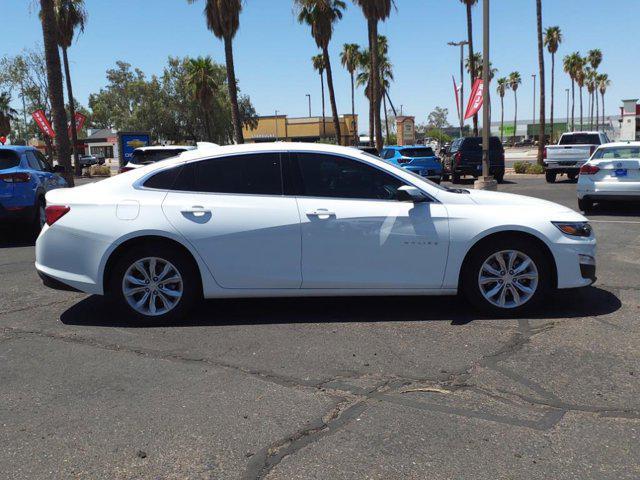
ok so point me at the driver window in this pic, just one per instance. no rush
(333, 176)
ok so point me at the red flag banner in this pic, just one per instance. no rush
(456, 92)
(475, 101)
(43, 123)
(80, 119)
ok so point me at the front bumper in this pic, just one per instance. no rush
(564, 167)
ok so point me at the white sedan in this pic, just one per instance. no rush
(611, 174)
(280, 219)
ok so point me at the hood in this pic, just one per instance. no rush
(485, 197)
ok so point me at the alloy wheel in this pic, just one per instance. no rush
(152, 286)
(508, 279)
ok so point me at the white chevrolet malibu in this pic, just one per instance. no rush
(280, 219)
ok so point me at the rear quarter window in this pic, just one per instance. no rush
(8, 159)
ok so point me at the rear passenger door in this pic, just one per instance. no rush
(233, 211)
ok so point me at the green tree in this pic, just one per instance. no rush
(581, 76)
(592, 88)
(70, 15)
(603, 84)
(594, 58)
(350, 58)
(319, 66)
(204, 83)
(541, 79)
(571, 63)
(7, 114)
(503, 85)
(54, 75)
(471, 61)
(438, 118)
(375, 11)
(478, 64)
(223, 19)
(552, 40)
(321, 16)
(515, 80)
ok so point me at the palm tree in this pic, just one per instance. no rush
(70, 14)
(375, 11)
(594, 57)
(319, 66)
(570, 63)
(321, 15)
(603, 84)
(592, 88)
(472, 60)
(202, 80)
(581, 76)
(7, 114)
(552, 40)
(515, 80)
(543, 100)
(223, 19)
(503, 85)
(478, 63)
(350, 58)
(54, 77)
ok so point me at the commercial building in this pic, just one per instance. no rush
(273, 128)
(630, 120)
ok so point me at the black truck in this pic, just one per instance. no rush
(464, 157)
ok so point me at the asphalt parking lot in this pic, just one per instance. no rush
(377, 388)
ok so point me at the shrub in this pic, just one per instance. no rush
(535, 169)
(521, 167)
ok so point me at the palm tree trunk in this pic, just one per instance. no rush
(56, 95)
(386, 117)
(72, 112)
(501, 119)
(553, 86)
(372, 123)
(515, 118)
(581, 112)
(573, 105)
(332, 96)
(595, 97)
(603, 119)
(233, 90)
(375, 75)
(324, 126)
(353, 109)
(472, 63)
(541, 136)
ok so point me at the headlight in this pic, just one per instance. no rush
(574, 229)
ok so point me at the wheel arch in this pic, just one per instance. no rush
(489, 237)
(147, 239)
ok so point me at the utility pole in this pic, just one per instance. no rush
(486, 182)
(461, 45)
(534, 101)
(309, 98)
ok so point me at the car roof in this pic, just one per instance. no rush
(165, 147)
(18, 148)
(591, 132)
(621, 144)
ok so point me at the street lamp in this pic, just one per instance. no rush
(461, 45)
(487, 182)
(534, 101)
(309, 98)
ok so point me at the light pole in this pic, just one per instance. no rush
(534, 101)
(567, 90)
(487, 182)
(309, 98)
(461, 45)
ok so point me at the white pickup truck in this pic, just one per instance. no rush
(572, 151)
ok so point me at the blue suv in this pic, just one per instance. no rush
(25, 177)
(417, 159)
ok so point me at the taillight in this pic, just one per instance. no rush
(589, 169)
(18, 177)
(544, 153)
(124, 169)
(53, 213)
(457, 157)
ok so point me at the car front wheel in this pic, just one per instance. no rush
(154, 286)
(506, 276)
(550, 177)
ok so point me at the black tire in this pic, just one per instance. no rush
(499, 177)
(183, 263)
(550, 177)
(437, 181)
(585, 205)
(445, 177)
(572, 176)
(455, 177)
(38, 217)
(471, 270)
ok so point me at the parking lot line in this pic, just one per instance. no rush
(614, 221)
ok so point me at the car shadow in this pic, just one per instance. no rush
(10, 238)
(94, 311)
(616, 209)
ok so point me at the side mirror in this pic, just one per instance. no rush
(58, 169)
(410, 193)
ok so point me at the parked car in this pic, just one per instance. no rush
(89, 160)
(295, 219)
(465, 158)
(417, 159)
(25, 177)
(612, 174)
(572, 151)
(525, 142)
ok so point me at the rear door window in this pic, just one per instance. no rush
(8, 159)
(580, 139)
(33, 162)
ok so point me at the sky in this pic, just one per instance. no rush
(273, 52)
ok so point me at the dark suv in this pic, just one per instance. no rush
(464, 157)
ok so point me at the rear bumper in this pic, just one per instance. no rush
(427, 172)
(55, 284)
(476, 172)
(564, 167)
(16, 214)
(614, 191)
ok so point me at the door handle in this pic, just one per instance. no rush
(196, 210)
(321, 212)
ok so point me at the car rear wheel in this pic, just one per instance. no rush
(550, 177)
(39, 217)
(572, 176)
(506, 276)
(154, 285)
(455, 178)
(585, 205)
